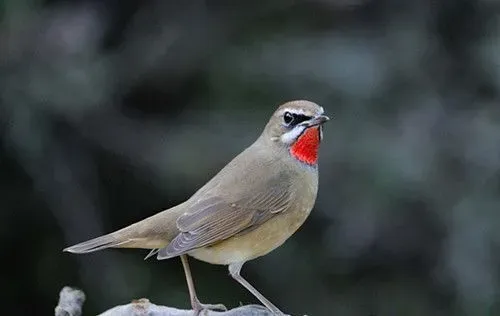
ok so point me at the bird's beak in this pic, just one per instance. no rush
(318, 120)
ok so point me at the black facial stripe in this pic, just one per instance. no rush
(299, 118)
(292, 119)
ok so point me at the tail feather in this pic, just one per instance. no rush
(99, 243)
(151, 233)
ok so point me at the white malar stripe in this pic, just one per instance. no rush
(291, 136)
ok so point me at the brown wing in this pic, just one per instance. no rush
(214, 219)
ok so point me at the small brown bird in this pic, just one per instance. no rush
(255, 203)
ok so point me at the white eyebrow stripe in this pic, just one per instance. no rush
(300, 111)
(294, 111)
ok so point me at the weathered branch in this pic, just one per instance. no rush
(71, 301)
(145, 307)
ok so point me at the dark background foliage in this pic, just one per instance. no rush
(113, 110)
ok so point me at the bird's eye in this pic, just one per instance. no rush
(288, 118)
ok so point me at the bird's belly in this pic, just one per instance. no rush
(255, 243)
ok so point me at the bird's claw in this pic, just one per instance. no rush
(199, 307)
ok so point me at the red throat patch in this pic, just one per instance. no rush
(306, 147)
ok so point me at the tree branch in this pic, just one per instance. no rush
(71, 301)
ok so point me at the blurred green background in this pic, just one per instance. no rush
(113, 110)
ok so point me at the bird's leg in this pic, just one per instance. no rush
(234, 270)
(195, 303)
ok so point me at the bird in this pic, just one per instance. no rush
(249, 208)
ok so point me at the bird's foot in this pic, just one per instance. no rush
(198, 307)
(274, 311)
(277, 312)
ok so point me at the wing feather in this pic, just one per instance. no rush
(214, 219)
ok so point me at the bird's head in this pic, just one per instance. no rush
(297, 127)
